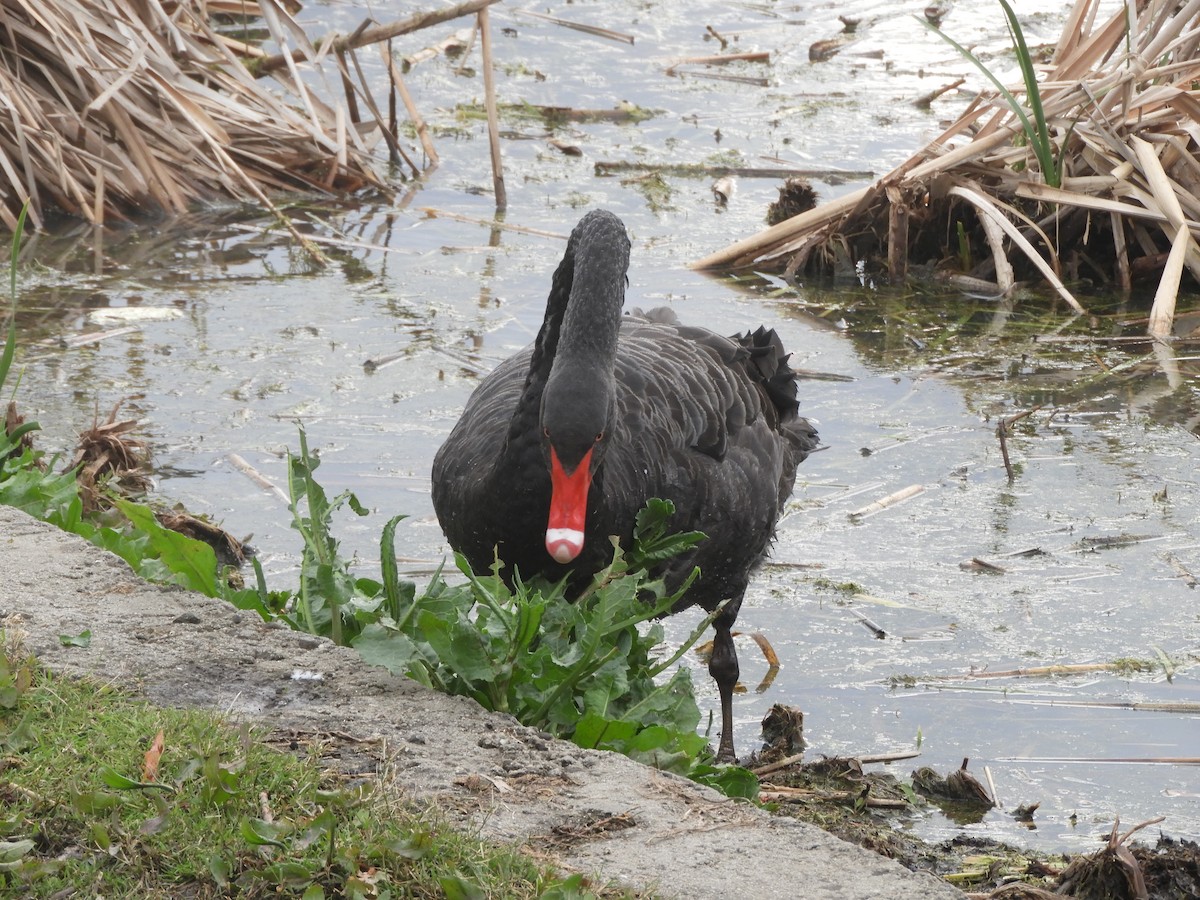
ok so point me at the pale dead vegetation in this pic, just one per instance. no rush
(1123, 113)
(112, 109)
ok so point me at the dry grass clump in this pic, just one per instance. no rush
(110, 456)
(111, 109)
(1123, 115)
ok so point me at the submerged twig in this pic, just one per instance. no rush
(926, 100)
(580, 26)
(875, 630)
(720, 76)
(1182, 571)
(1002, 429)
(780, 794)
(95, 337)
(975, 564)
(1028, 672)
(489, 223)
(720, 59)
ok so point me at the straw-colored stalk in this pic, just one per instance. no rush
(1121, 109)
(115, 110)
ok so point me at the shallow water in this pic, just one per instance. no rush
(261, 340)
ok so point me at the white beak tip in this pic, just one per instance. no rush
(564, 544)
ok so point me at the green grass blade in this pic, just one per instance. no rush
(18, 232)
(689, 642)
(10, 343)
(1031, 133)
(1041, 145)
(10, 346)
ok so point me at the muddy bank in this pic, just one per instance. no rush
(180, 648)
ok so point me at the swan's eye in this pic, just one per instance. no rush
(545, 431)
(599, 436)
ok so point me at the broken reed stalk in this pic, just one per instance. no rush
(596, 30)
(895, 756)
(374, 35)
(453, 44)
(414, 115)
(890, 500)
(987, 773)
(1002, 430)
(257, 477)
(863, 759)
(1002, 434)
(778, 764)
(926, 100)
(1122, 115)
(493, 118)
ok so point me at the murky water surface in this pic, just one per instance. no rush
(1091, 535)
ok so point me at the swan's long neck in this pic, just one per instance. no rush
(576, 347)
(579, 400)
(588, 339)
(580, 387)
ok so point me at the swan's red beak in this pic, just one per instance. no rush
(568, 507)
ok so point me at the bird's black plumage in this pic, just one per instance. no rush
(643, 407)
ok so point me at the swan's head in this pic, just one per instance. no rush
(575, 431)
(578, 402)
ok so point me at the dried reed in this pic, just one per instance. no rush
(1121, 108)
(114, 110)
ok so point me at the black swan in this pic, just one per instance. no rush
(562, 444)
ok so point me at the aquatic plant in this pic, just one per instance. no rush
(1036, 132)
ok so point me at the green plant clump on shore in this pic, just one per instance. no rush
(586, 670)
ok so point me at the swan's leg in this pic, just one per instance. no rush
(723, 667)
